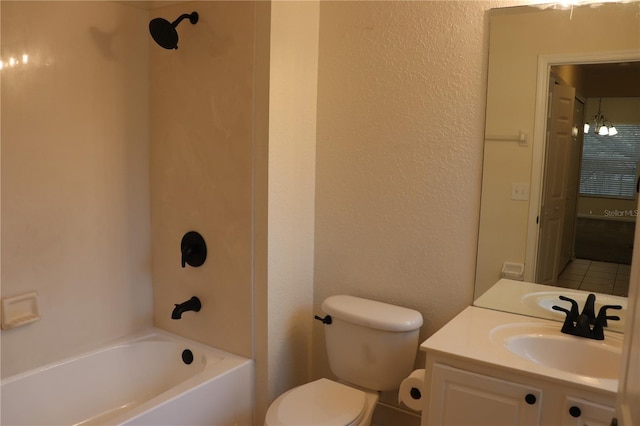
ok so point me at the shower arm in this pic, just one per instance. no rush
(193, 19)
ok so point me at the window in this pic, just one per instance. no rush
(610, 163)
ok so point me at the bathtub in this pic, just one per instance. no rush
(155, 378)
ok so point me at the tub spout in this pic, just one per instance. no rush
(192, 304)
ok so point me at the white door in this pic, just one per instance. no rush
(573, 186)
(554, 193)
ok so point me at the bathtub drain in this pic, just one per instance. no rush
(187, 356)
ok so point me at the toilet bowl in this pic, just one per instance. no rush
(321, 403)
(371, 347)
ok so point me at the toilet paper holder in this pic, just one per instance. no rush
(415, 393)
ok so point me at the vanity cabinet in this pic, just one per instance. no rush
(461, 393)
(473, 379)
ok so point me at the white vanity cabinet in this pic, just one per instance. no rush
(479, 395)
(471, 381)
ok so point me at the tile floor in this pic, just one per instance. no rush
(598, 277)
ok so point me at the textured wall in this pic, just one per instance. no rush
(292, 139)
(201, 132)
(399, 150)
(75, 185)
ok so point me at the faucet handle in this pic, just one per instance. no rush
(186, 253)
(569, 325)
(602, 314)
(601, 321)
(574, 307)
(193, 249)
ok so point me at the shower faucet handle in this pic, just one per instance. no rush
(193, 249)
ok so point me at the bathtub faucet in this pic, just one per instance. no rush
(192, 304)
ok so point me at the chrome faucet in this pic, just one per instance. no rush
(192, 304)
(581, 324)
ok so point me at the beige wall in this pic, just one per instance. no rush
(201, 98)
(399, 148)
(292, 173)
(515, 47)
(395, 206)
(617, 110)
(75, 185)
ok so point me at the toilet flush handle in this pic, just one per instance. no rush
(325, 320)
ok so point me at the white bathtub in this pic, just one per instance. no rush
(142, 380)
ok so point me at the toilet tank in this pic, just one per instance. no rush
(371, 344)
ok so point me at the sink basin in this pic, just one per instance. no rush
(547, 346)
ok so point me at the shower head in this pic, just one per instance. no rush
(164, 32)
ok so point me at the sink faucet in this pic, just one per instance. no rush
(581, 324)
(192, 304)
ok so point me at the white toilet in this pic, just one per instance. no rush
(371, 347)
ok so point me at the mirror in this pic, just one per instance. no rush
(532, 50)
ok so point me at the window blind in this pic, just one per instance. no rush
(610, 163)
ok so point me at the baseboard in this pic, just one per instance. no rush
(389, 415)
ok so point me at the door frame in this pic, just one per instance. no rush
(545, 62)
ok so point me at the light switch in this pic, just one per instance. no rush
(520, 191)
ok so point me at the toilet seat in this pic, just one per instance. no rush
(319, 403)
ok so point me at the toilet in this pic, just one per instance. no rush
(371, 347)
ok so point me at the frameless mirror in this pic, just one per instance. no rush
(558, 206)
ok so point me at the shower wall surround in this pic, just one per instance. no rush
(96, 113)
(75, 175)
(201, 133)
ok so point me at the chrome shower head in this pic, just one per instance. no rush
(164, 32)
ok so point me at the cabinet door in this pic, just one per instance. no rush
(459, 397)
(580, 412)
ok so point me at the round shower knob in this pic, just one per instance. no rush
(193, 249)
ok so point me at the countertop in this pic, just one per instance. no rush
(468, 336)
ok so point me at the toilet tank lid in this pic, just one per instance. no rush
(373, 314)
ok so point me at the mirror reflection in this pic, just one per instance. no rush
(559, 204)
(588, 207)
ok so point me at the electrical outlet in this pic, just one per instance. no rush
(520, 191)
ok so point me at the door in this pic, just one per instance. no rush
(461, 397)
(554, 193)
(573, 185)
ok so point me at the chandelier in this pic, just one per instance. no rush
(601, 125)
